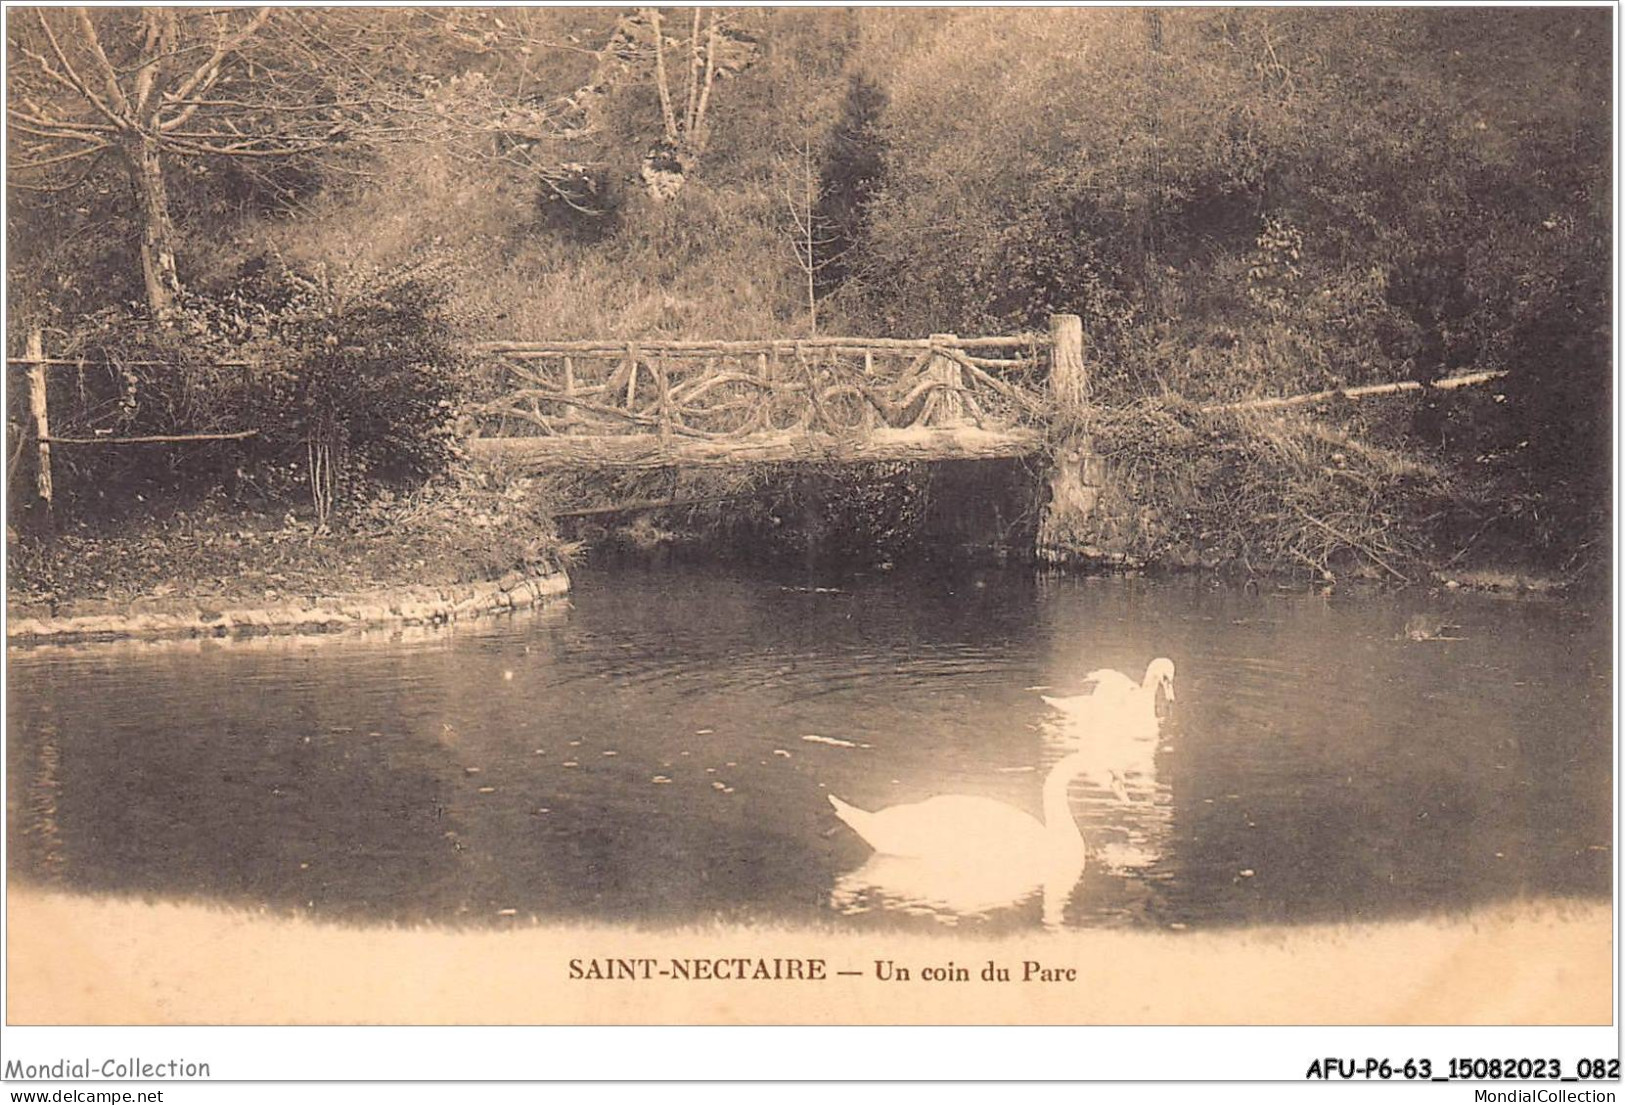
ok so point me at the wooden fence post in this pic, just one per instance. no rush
(950, 405)
(1070, 529)
(42, 418)
(1068, 377)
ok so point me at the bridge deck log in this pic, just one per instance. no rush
(649, 451)
(531, 349)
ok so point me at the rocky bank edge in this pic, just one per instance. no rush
(183, 617)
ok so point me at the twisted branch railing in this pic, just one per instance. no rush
(863, 389)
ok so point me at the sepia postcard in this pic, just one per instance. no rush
(788, 516)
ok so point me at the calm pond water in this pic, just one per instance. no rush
(660, 750)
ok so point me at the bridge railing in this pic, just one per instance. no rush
(659, 401)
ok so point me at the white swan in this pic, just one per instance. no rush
(1117, 698)
(959, 855)
(956, 826)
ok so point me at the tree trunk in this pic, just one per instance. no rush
(158, 271)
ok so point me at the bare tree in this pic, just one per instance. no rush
(812, 237)
(146, 89)
(638, 48)
(666, 166)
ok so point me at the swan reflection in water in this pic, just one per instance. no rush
(961, 856)
(1117, 730)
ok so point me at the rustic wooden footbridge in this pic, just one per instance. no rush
(657, 403)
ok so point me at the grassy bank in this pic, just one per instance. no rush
(77, 960)
(474, 526)
(1339, 493)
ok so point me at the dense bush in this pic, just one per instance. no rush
(365, 377)
(351, 386)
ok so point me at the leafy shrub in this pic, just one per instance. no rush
(365, 378)
(351, 386)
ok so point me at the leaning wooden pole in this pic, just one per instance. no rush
(42, 418)
(1067, 531)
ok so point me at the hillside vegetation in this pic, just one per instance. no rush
(1239, 203)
